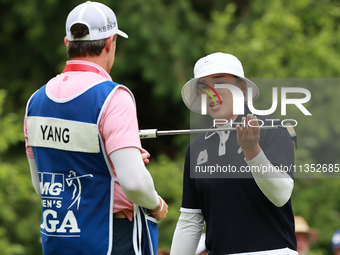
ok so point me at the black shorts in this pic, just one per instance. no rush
(122, 237)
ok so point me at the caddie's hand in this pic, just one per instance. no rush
(145, 156)
(160, 212)
(248, 136)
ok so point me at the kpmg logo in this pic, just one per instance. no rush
(52, 186)
(239, 97)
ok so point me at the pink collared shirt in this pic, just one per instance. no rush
(118, 126)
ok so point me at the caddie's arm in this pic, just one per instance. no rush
(34, 175)
(136, 181)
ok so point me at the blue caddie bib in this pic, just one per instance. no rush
(76, 180)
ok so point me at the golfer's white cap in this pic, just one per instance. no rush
(99, 19)
(214, 63)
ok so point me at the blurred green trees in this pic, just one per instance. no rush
(273, 39)
(20, 205)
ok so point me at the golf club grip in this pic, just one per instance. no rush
(148, 133)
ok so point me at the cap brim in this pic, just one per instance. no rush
(313, 235)
(122, 34)
(193, 101)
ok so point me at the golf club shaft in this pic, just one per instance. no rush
(153, 133)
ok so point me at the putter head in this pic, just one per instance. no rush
(291, 131)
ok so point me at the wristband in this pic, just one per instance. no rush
(160, 209)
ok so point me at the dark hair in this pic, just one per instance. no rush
(238, 79)
(83, 48)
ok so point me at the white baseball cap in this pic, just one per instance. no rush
(99, 19)
(214, 63)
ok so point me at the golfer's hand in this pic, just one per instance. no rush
(160, 212)
(145, 156)
(248, 137)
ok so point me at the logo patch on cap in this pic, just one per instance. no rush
(110, 25)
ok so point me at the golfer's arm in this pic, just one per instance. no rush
(34, 175)
(187, 234)
(134, 178)
(276, 186)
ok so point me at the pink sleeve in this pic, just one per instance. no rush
(29, 151)
(119, 126)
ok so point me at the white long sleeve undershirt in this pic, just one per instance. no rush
(187, 234)
(276, 186)
(135, 180)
